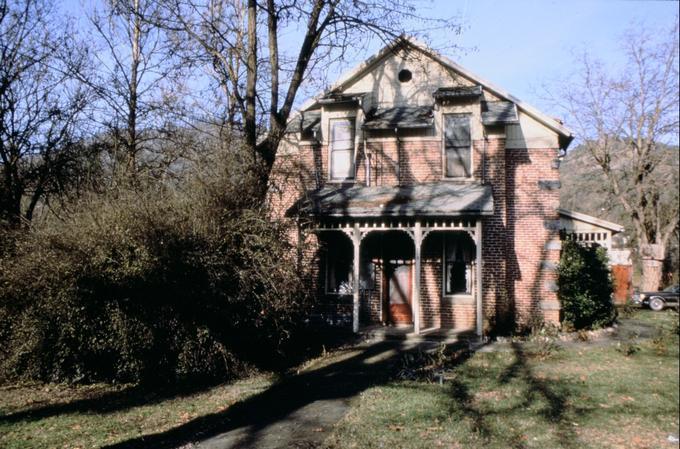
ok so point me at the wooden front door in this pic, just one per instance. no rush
(399, 294)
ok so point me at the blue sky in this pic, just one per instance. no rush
(523, 45)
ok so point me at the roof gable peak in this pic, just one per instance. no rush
(412, 43)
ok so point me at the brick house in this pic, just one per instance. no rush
(424, 196)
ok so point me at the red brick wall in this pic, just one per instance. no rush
(431, 281)
(532, 222)
(518, 265)
(497, 309)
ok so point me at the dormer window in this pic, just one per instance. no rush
(457, 146)
(342, 149)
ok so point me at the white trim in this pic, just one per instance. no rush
(351, 119)
(415, 288)
(614, 227)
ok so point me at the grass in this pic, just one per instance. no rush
(61, 416)
(585, 396)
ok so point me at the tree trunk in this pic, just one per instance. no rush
(652, 266)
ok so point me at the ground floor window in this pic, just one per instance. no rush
(459, 254)
(367, 274)
(339, 254)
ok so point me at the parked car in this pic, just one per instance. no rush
(657, 301)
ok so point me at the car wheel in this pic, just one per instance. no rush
(656, 304)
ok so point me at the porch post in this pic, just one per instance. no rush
(356, 241)
(478, 275)
(417, 239)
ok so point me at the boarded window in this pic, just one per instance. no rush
(459, 255)
(342, 149)
(457, 146)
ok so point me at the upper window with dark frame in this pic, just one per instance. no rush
(342, 149)
(457, 146)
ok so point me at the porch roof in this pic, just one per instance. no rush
(439, 199)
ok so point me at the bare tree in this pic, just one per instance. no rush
(131, 74)
(39, 108)
(624, 121)
(260, 82)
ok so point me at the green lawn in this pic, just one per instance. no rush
(97, 415)
(586, 396)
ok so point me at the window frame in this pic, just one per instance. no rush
(445, 175)
(444, 267)
(327, 271)
(353, 171)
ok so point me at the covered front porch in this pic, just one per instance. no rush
(401, 256)
(418, 274)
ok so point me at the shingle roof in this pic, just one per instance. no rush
(400, 117)
(614, 227)
(499, 113)
(306, 121)
(438, 199)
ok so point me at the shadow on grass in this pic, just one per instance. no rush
(556, 395)
(149, 394)
(252, 418)
(292, 404)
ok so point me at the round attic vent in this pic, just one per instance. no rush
(405, 76)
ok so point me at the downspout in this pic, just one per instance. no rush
(318, 174)
(484, 150)
(398, 168)
(367, 162)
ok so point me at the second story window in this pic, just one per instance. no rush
(342, 149)
(457, 146)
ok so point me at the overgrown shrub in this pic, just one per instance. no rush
(585, 286)
(149, 282)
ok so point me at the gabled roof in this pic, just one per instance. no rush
(578, 216)
(406, 41)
